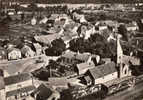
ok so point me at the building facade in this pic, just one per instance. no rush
(19, 86)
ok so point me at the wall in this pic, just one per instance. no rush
(106, 78)
(2, 95)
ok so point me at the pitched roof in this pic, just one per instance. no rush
(17, 78)
(83, 56)
(22, 90)
(11, 49)
(102, 70)
(87, 78)
(45, 90)
(59, 22)
(54, 81)
(83, 67)
(68, 35)
(69, 55)
(25, 49)
(47, 39)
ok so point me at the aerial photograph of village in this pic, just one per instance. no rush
(71, 49)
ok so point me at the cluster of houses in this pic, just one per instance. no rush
(12, 52)
(95, 70)
(23, 86)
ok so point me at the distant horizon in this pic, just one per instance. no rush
(81, 1)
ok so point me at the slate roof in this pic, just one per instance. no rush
(103, 70)
(17, 78)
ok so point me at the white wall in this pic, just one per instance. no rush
(106, 78)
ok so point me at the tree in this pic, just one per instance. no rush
(96, 37)
(123, 31)
(56, 48)
(140, 25)
(77, 45)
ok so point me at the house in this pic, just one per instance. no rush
(18, 86)
(83, 67)
(46, 39)
(38, 48)
(82, 30)
(3, 54)
(106, 60)
(14, 54)
(2, 89)
(102, 73)
(33, 21)
(67, 57)
(131, 27)
(46, 92)
(131, 60)
(72, 57)
(43, 21)
(84, 57)
(102, 27)
(9, 45)
(26, 51)
(82, 19)
(128, 64)
(68, 35)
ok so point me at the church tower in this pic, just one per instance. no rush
(123, 67)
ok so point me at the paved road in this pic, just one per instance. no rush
(128, 94)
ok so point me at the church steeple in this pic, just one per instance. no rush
(124, 69)
(119, 51)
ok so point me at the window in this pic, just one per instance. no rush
(15, 96)
(125, 71)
